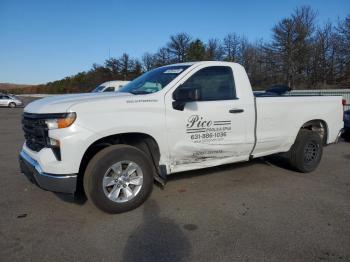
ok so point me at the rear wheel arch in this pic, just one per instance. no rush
(318, 126)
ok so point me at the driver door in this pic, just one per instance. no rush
(212, 130)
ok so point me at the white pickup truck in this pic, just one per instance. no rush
(171, 119)
(110, 86)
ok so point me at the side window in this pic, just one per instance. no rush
(215, 83)
(109, 89)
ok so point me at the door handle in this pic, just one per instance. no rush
(236, 111)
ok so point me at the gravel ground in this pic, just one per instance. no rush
(256, 211)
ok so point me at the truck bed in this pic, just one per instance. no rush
(280, 117)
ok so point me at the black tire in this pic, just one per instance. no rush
(306, 152)
(98, 166)
(12, 105)
(346, 135)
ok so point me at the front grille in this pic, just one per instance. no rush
(35, 131)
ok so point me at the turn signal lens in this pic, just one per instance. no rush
(66, 122)
(63, 122)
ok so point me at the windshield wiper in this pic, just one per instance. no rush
(139, 92)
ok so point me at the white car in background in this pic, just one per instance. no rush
(110, 86)
(10, 101)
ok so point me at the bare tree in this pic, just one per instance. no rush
(214, 49)
(342, 54)
(322, 55)
(113, 65)
(292, 44)
(148, 61)
(231, 46)
(178, 46)
(196, 51)
(126, 65)
(136, 69)
(162, 57)
(304, 19)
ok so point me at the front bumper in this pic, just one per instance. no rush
(51, 182)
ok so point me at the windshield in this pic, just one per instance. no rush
(154, 80)
(98, 89)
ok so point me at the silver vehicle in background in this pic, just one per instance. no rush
(10, 101)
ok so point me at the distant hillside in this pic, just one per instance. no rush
(7, 86)
(87, 80)
(26, 89)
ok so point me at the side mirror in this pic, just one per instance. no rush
(185, 95)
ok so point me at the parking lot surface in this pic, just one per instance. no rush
(256, 211)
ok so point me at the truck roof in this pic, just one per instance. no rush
(201, 62)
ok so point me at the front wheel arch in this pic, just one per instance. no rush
(142, 141)
(94, 179)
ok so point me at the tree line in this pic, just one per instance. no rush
(301, 54)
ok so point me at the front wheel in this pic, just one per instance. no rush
(12, 105)
(306, 152)
(119, 178)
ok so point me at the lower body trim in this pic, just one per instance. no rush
(51, 182)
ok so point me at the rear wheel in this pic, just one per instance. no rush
(306, 152)
(346, 135)
(12, 105)
(119, 178)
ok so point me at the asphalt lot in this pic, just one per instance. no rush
(257, 211)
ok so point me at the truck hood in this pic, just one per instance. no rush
(62, 103)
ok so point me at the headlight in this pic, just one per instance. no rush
(61, 121)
